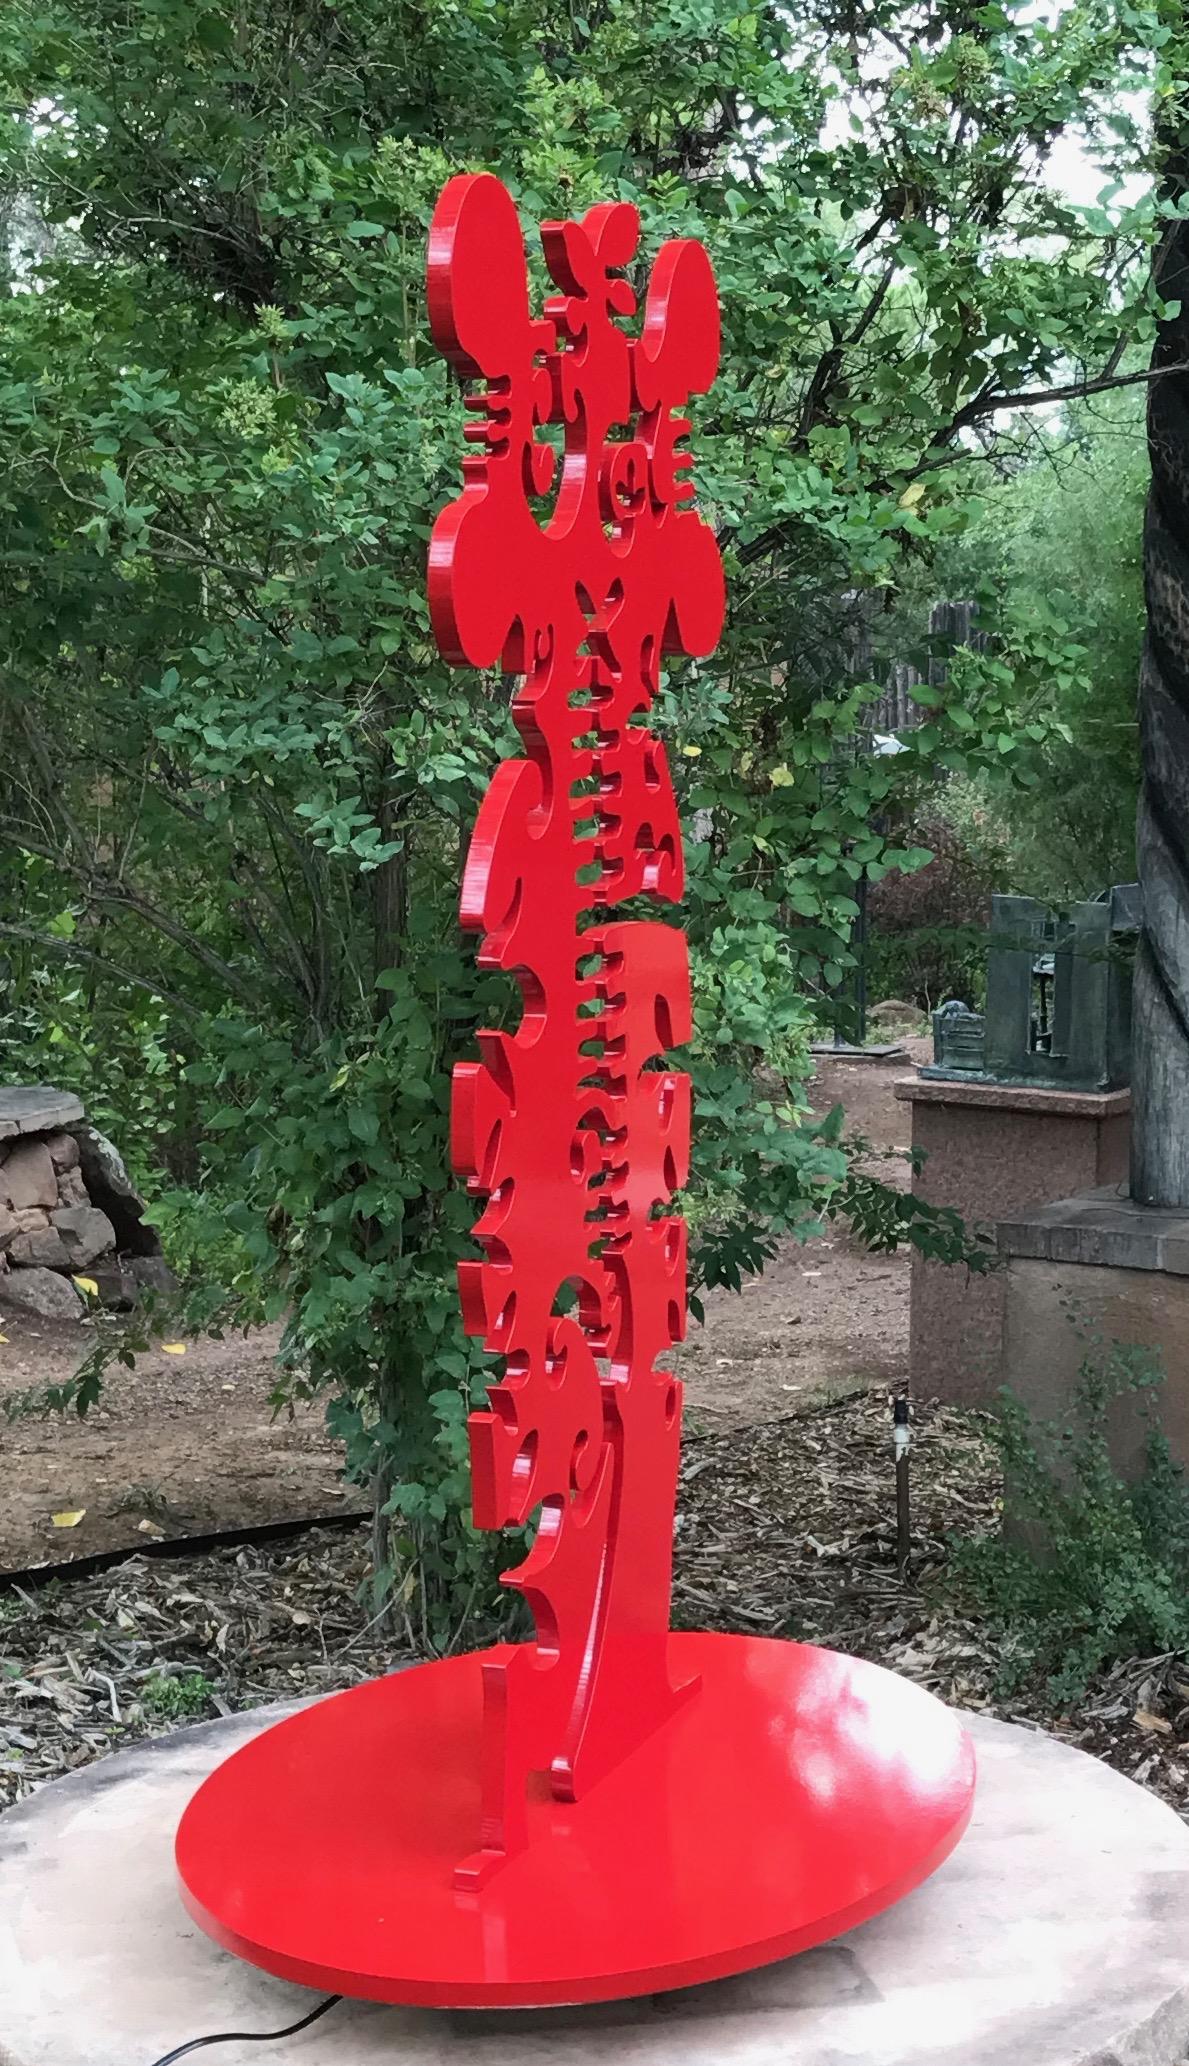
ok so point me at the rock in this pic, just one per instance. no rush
(895, 1008)
(27, 1177)
(115, 1284)
(34, 1109)
(85, 1232)
(897, 1015)
(44, 1250)
(152, 1273)
(71, 1188)
(32, 1218)
(9, 1225)
(41, 1292)
(63, 1151)
(111, 1188)
(1056, 1936)
(121, 1281)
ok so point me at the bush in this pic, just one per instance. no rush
(198, 1236)
(1109, 1577)
(116, 1051)
(927, 937)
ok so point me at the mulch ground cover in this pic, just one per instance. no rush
(784, 1529)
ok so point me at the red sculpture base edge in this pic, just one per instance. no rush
(797, 1796)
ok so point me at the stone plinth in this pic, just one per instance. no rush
(1103, 1262)
(1056, 1935)
(992, 1151)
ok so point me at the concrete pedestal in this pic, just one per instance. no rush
(992, 1151)
(1099, 1262)
(1056, 1935)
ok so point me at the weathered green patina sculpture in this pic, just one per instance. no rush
(1058, 998)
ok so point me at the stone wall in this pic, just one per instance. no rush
(68, 1209)
(1102, 1266)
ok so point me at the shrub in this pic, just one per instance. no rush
(1108, 1574)
(927, 937)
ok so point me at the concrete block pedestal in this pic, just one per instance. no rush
(993, 1151)
(1056, 1935)
(1102, 1263)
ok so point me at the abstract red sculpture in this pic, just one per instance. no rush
(608, 1809)
(575, 1136)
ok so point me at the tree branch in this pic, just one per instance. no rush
(71, 951)
(977, 410)
(123, 897)
(1034, 398)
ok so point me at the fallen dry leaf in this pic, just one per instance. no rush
(174, 1348)
(69, 1517)
(1154, 1723)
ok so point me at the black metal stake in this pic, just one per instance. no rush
(901, 1415)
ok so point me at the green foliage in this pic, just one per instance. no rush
(1058, 552)
(176, 1698)
(1107, 1573)
(927, 933)
(929, 963)
(433, 1573)
(887, 1217)
(114, 1047)
(235, 780)
(197, 1232)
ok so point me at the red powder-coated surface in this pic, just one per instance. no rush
(609, 1809)
(799, 1794)
(577, 572)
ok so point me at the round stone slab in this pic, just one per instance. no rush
(1056, 1935)
(795, 1795)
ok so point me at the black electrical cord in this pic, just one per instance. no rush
(198, 2044)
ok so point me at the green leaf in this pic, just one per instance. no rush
(364, 1124)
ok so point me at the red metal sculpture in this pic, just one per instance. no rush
(568, 1126)
(662, 1808)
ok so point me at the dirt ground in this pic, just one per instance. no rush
(188, 1444)
(826, 1313)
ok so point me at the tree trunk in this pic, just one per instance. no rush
(1160, 1026)
(391, 895)
(390, 890)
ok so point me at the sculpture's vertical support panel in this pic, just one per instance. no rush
(571, 1128)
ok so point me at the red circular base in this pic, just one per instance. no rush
(797, 1794)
